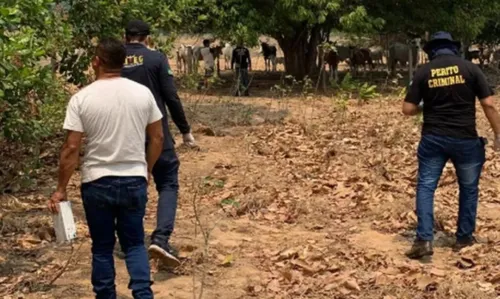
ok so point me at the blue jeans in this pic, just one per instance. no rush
(117, 204)
(468, 157)
(166, 177)
(242, 81)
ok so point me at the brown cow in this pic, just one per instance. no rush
(332, 58)
(361, 57)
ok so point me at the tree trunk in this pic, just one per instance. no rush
(295, 57)
(300, 52)
(312, 51)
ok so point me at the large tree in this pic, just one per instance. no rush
(298, 25)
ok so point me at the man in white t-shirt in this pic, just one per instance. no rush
(208, 60)
(115, 114)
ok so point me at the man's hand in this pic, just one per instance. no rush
(189, 140)
(53, 203)
(496, 145)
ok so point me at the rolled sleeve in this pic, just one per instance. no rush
(73, 121)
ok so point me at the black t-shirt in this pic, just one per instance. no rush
(241, 58)
(449, 85)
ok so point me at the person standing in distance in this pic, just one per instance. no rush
(115, 114)
(242, 62)
(448, 86)
(151, 69)
(208, 60)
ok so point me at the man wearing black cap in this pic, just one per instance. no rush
(151, 69)
(448, 86)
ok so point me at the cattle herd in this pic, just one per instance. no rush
(188, 56)
(331, 54)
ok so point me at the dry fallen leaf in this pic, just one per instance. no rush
(307, 269)
(495, 278)
(424, 282)
(287, 275)
(352, 285)
(486, 286)
(330, 286)
(289, 254)
(228, 260)
(438, 272)
(382, 280)
(465, 263)
(344, 291)
(274, 286)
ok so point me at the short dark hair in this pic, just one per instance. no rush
(206, 42)
(138, 38)
(112, 53)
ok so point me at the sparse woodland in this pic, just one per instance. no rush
(295, 192)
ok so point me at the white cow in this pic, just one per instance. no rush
(227, 51)
(197, 56)
(377, 54)
(496, 57)
(185, 59)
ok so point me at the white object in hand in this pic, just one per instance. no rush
(64, 223)
(189, 139)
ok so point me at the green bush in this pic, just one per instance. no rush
(28, 84)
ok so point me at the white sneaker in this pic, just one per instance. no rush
(167, 255)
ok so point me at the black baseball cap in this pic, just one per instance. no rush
(137, 27)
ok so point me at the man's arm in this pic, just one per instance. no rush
(171, 98)
(485, 95)
(413, 96)
(68, 162)
(249, 60)
(69, 158)
(154, 132)
(491, 114)
(155, 144)
(69, 153)
(410, 109)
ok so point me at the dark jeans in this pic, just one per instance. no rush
(468, 157)
(117, 204)
(241, 81)
(166, 177)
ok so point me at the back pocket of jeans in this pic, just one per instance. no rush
(137, 196)
(98, 195)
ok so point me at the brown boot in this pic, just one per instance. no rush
(420, 249)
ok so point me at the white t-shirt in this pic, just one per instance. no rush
(113, 114)
(208, 57)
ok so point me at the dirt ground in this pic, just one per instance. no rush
(286, 198)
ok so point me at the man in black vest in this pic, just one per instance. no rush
(446, 89)
(151, 68)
